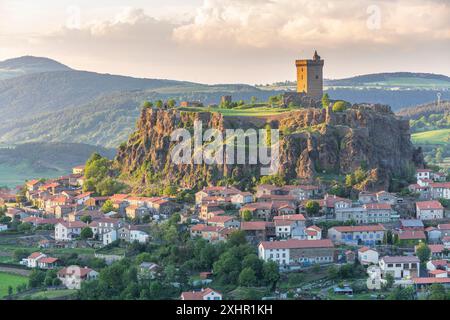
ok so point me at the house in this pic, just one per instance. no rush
(446, 242)
(78, 170)
(438, 265)
(73, 276)
(68, 231)
(63, 210)
(378, 212)
(313, 233)
(260, 210)
(224, 222)
(290, 226)
(368, 256)
(258, 231)
(207, 208)
(412, 224)
(93, 214)
(33, 185)
(353, 235)
(129, 233)
(367, 197)
(297, 253)
(208, 233)
(149, 270)
(136, 212)
(204, 294)
(357, 214)
(40, 260)
(440, 190)
(429, 210)
(444, 228)
(438, 251)
(411, 237)
(103, 227)
(224, 192)
(334, 203)
(95, 202)
(400, 267)
(433, 234)
(424, 283)
(386, 197)
(423, 174)
(82, 198)
(242, 198)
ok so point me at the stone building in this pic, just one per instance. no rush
(310, 77)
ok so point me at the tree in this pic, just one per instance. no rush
(437, 292)
(389, 280)
(253, 100)
(312, 208)
(86, 219)
(24, 227)
(325, 100)
(247, 215)
(10, 291)
(36, 278)
(171, 103)
(271, 273)
(170, 190)
(108, 206)
(86, 233)
(339, 106)
(159, 104)
(399, 293)
(423, 252)
(147, 104)
(247, 277)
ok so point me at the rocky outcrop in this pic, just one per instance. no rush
(313, 142)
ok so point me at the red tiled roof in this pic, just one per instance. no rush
(424, 170)
(290, 217)
(196, 295)
(426, 205)
(431, 280)
(412, 235)
(370, 228)
(445, 226)
(254, 225)
(297, 244)
(315, 228)
(437, 271)
(378, 206)
(35, 255)
(221, 219)
(74, 224)
(48, 260)
(436, 248)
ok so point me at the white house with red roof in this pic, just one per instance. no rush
(423, 174)
(290, 226)
(73, 276)
(429, 210)
(366, 234)
(224, 222)
(368, 256)
(40, 260)
(378, 212)
(292, 253)
(204, 294)
(68, 231)
(313, 233)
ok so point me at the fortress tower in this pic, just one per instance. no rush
(310, 77)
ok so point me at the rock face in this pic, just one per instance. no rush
(312, 142)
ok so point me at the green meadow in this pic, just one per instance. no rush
(13, 280)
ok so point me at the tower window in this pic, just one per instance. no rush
(317, 77)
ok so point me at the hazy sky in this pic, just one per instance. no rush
(229, 41)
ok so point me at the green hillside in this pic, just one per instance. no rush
(436, 137)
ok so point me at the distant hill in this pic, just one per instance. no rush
(414, 113)
(394, 79)
(36, 160)
(27, 65)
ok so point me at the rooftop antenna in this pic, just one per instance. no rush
(439, 99)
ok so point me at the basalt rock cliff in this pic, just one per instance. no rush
(313, 142)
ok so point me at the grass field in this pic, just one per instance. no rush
(12, 280)
(440, 137)
(52, 294)
(14, 175)
(240, 112)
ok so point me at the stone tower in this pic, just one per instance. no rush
(310, 77)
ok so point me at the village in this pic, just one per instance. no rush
(399, 241)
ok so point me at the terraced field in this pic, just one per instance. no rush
(438, 137)
(7, 280)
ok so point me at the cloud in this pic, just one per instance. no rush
(269, 23)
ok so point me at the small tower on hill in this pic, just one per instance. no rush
(310, 77)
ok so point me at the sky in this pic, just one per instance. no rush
(230, 41)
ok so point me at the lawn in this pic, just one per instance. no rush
(52, 294)
(7, 279)
(240, 112)
(440, 137)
